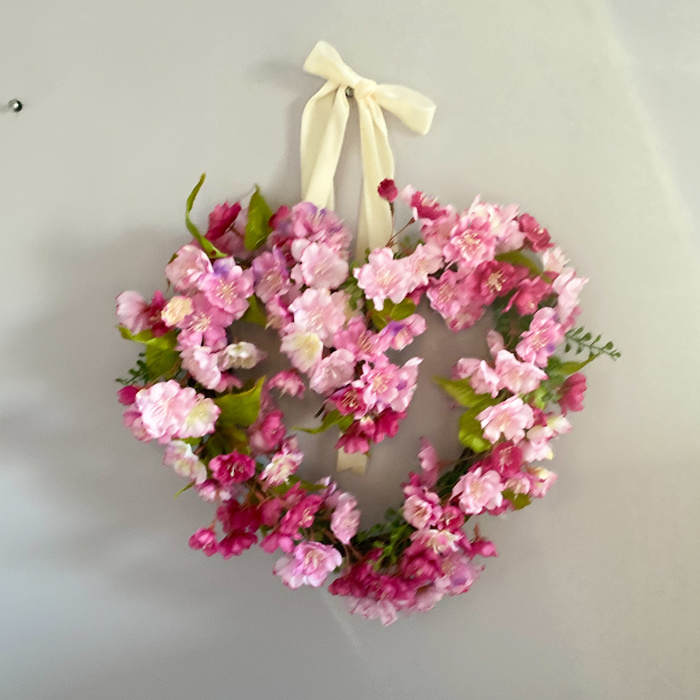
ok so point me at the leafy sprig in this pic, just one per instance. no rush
(579, 339)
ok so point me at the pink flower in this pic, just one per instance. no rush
(495, 342)
(228, 287)
(207, 323)
(321, 267)
(318, 311)
(307, 221)
(267, 432)
(387, 190)
(572, 391)
(282, 465)
(468, 245)
(496, 279)
(536, 236)
(400, 334)
(232, 468)
(132, 312)
(387, 424)
(288, 382)
(205, 539)
(201, 419)
(541, 480)
(187, 269)
(517, 377)
(510, 417)
(360, 341)
(221, 219)
(202, 364)
(422, 509)
(309, 564)
(568, 287)
(345, 520)
(176, 310)
(458, 574)
(482, 377)
(406, 384)
(554, 260)
(424, 261)
(303, 348)
(539, 343)
(506, 458)
(332, 372)
(184, 461)
(164, 408)
(429, 463)
(451, 293)
(477, 492)
(529, 294)
(127, 394)
(241, 355)
(383, 277)
(271, 275)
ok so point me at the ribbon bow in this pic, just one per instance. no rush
(323, 129)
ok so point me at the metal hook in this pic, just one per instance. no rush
(349, 93)
(15, 105)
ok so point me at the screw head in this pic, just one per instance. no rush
(15, 105)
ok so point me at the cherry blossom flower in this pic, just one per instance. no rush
(477, 492)
(206, 323)
(228, 287)
(309, 564)
(345, 520)
(188, 268)
(470, 246)
(241, 355)
(270, 275)
(540, 341)
(318, 311)
(518, 377)
(303, 348)
(572, 391)
(333, 371)
(184, 461)
(288, 382)
(283, 464)
(536, 236)
(384, 278)
(387, 190)
(232, 468)
(201, 419)
(321, 267)
(164, 408)
(568, 287)
(510, 418)
(202, 364)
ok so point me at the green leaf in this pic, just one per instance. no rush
(470, 433)
(400, 311)
(161, 361)
(515, 257)
(569, 368)
(254, 313)
(519, 500)
(329, 420)
(207, 246)
(142, 337)
(461, 391)
(258, 227)
(184, 488)
(240, 410)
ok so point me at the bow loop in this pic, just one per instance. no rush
(323, 127)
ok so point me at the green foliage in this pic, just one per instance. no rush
(254, 313)
(519, 500)
(160, 359)
(207, 246)
(138, 374)
(470, 433)
(332, 418)
(391, 312)
(516, 257)
(579, 340)
(258, 227)
(239, 410)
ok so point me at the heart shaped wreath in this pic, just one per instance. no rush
(196, 391)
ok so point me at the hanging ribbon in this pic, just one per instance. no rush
(323, 129)
(322, 132)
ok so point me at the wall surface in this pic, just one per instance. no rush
(584, 111)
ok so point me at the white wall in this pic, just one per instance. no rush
(582, 110)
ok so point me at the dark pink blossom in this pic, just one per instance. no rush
(572, 391)
(387, 190)
(536, 236)
(205, 539)
(232, 468)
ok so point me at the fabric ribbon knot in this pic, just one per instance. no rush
(323, 129)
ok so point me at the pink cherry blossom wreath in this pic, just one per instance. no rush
(196, 391)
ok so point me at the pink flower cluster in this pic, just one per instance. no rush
(338, 326)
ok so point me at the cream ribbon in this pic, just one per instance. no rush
(323, 127)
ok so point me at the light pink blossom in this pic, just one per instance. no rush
(384, 278)
(241, 355)
(540, 341)
(345, 520)
(184, 461)
(422, 509)
(318, 311)
(400, 334)
(303, 348)
(332, 372)
(478, 492)
(321, 267)
(202, 364)
(288, 382)
(132, 312)
(517, 377)
(425, 260)
(510, 418)
(207, 323)
(188, 268)
(201, 419)
(228, 287)
(569, 288)
(309, 564)
(176, 310)
(164, 408)
(470, 246)
(282, 465)
(271, 275)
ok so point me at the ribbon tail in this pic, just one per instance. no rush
(351, 461)
(376, 225)
(322, 131)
